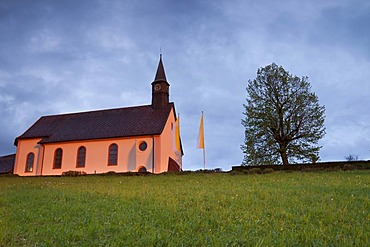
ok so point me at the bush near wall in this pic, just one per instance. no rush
(73, 173)
(326, 166)
(128, 174)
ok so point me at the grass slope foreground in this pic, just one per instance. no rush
(277, 209)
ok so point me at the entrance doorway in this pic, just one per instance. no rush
(141, 169)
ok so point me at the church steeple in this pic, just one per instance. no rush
(160, 75)
(160, 87)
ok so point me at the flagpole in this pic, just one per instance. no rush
(204, 157)
(204, 146)
(178, 117)
(201, 139)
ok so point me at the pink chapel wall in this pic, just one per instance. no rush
(130, 158)
(167, 143)
(25, 147)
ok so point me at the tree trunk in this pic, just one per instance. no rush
(284, 157)
(283, 154)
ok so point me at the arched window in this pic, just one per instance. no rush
(113, 153)
(81, 157)
(29, 162)
(58, 155)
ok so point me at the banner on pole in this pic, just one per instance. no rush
(201, 133)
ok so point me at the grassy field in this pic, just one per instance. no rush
(278, 209)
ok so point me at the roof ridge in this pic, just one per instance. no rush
(93, 111)
(100, 124)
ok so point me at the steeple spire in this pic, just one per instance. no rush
(160, 88)
(160, 75)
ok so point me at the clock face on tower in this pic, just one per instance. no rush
(157, 87)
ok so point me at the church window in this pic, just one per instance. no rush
(29, 162)
(143, 146)
(81, 156)
(113, 153)
(58, 158)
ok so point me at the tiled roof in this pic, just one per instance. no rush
(111, 123)
(7, 164)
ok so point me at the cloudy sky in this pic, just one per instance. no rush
(71, 56)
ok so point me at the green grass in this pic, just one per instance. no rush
(278, 209)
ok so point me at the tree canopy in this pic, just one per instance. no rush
(283, 119)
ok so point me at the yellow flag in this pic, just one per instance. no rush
(201, 133)
(177, 134)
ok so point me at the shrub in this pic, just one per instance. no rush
(268, 170)
(110, 173)
(254, 171)
(348, 167)
(9, 175)
(234, 172)
(73, 173)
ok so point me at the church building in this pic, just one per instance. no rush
(130, 139)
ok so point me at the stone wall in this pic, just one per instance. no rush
(335, 165)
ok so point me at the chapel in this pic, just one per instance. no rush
(131, 139)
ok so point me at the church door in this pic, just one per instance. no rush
(142, 169)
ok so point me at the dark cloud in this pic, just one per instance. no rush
(344, 25)
(69, 56)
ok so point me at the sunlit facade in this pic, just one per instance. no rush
(131, 139)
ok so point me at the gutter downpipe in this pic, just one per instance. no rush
(153, 155)
(43, 156)
(38, 146)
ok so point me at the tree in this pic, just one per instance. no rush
(351, 157)
(283, 119)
